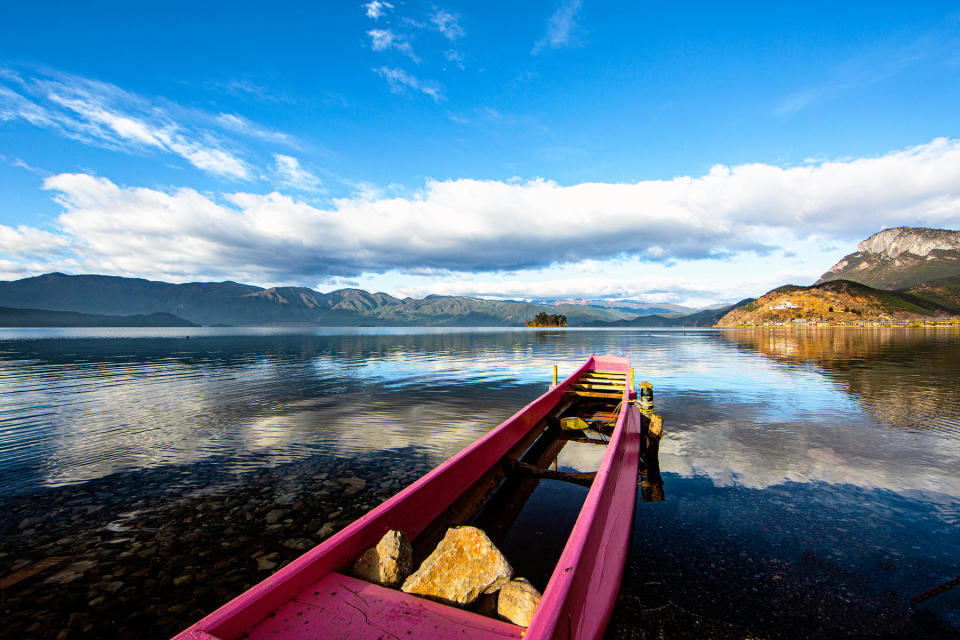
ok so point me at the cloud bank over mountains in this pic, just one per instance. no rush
(470, 226)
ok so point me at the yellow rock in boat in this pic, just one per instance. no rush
(573, 423)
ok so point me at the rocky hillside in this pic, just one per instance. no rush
(899, 258)
(836, 301)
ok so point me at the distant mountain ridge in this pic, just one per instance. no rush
(232, 303)
(705, 318)
(899, 258)
(42, 318)
(641, 308)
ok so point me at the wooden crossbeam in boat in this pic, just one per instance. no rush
(601, 379)
(533, 471)
(594, 394)
(580, 438)
(597, 385)
(578, 387)
(601, 372)
(600, 415)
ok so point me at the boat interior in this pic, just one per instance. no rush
(527, 503)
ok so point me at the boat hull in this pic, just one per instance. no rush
(576, 604)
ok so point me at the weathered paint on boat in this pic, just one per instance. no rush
(309, 598)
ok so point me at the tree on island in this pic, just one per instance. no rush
(544, 319)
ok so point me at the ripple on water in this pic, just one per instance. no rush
(767, 431)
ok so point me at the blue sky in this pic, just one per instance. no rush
(549, 150)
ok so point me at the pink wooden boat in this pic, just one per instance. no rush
(313, 597)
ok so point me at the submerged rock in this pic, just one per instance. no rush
(274, 516)
(517, 602)
(464, 565)
(388, 563)
(353, 484)
(298, 544)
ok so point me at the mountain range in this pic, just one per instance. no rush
(231, 303)
(905, 273)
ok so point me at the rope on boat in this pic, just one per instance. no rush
(937, 590)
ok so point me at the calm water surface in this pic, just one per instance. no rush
(795, 462)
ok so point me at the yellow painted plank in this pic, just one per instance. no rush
(598, 387)
(595, 394)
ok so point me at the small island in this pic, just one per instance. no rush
(544, 319)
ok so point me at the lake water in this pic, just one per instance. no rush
(812, 477)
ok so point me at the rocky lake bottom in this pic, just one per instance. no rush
(146, 554)
(810, 478)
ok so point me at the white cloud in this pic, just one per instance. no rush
(247, 88)
(375, 8)
(399, 81)
(597, 287)
(613, 280)
(476, 225)
(560, 27)
(447, 24)
(385, 39)
(24, 241)
(101, 114)
(292, 175)
(18, 162)
(239, 124)
(455, 56)
(874, 63)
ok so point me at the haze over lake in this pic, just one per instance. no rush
(813, 453)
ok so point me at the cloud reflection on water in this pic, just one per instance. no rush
(869, 408)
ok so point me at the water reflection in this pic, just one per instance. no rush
(766, 431)
(750, 407)
(905, 377)
(80, 408)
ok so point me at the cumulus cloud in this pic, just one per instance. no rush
(103, 115)
(292, 175)
(486, 225)
(400, 81)
(24, 241)
(560, 27)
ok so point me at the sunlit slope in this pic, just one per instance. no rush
(834, 301)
